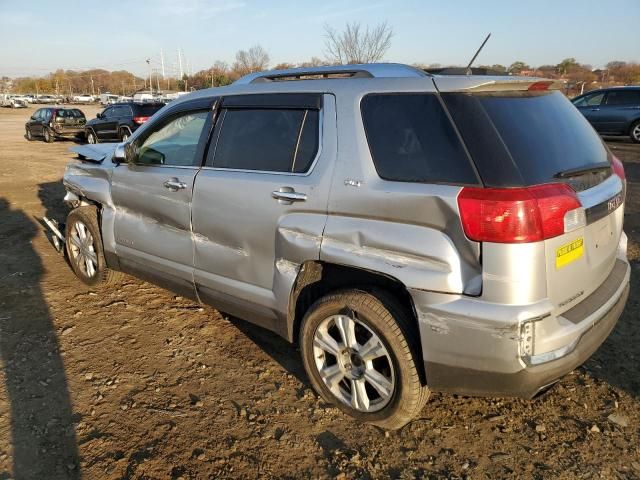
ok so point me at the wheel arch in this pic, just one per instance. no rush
(316, 279)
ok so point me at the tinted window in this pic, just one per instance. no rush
(623, 97)
(412, 140)
(107, 113)
(147, 110)
(174, 143)
(542, 132)
(275, 140)
(121, 111)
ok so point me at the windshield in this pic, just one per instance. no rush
(520, 139)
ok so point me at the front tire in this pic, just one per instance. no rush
(29, 135)
(83, 244)
(91, 137)
(634, 132)
(357, 355)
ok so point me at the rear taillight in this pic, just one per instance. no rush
(618, 167)
(517, 215)
(140, 120)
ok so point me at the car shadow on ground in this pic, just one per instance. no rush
(43, 437)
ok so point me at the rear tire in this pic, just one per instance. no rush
(373, 375)
(83, 244)
(634, 132)
(49, 137)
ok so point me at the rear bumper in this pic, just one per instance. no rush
(470, 356)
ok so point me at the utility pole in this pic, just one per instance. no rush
(92, 91)
(149, 66)
(162, 63)
(180, 64)
(158, 80)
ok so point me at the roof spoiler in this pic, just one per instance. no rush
(495, 84)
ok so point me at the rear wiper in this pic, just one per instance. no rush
(574, 172)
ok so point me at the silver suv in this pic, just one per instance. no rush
(410, 232)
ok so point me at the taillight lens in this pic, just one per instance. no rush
(140, 119)
(516, 215)
(618, 167)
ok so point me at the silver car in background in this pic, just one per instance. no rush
(410, 232)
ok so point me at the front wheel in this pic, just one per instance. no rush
(29, 135)
(91, 137)
(84, 247)
(634, 132)
(357, 355)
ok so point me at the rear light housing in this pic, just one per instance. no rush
(618, 167)
(519, 215)
(140, 120)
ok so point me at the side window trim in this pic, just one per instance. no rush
(215, 137)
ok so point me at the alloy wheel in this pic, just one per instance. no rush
(635, 133)
(82, 249)
(354, 363)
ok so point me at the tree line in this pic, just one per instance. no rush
(353, 44)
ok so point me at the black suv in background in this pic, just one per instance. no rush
(118, 121)
(55, 122)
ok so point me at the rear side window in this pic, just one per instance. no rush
(525, 138)
(264, 139)
(623, 97)
(412, 140)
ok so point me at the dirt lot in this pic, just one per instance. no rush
(134, 382)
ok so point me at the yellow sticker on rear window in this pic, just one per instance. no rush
(569, 252)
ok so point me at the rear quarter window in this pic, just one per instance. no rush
(411, 139)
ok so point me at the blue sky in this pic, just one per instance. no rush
(38, 36)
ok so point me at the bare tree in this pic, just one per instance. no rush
(357, 45)
(253, 60)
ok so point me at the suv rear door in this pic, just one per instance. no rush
(620, 108)
(260, 201)
(153, 191)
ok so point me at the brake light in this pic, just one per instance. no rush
(140, 120)
(541, 85)
(516, 215)
(618, 167)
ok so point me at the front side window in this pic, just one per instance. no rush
(107, 113)
(265, 139)
(592, 100)
(174, 143)
(411, 139)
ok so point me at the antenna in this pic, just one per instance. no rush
(477, 53)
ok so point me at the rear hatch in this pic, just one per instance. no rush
(533, 143)
(69, 119)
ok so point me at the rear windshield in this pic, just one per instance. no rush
(147, 110)
(520, 139)
(71, 113)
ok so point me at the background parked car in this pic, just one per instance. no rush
(12, 101)
(47, 99)
(612, 111)
(82, 99)
(53, 122)
(117, 122)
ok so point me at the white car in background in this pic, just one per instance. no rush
(83, 99)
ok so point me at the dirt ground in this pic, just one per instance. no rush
(135, 382)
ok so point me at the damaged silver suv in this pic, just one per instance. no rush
(410, 232)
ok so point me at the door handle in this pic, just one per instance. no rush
(287, 195)
(174, 184)
(595, 109)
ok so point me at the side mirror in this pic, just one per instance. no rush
(33, 117)
(119, 154)
(98, 115)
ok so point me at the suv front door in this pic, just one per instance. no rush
(589, 106)
(105, 127)
(260, 201)
(152, 194)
